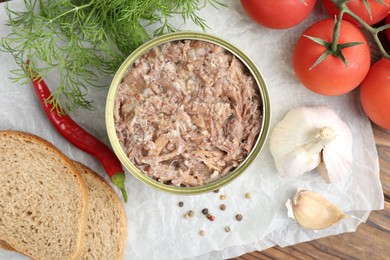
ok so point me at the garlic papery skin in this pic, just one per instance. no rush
(313, 211)
(336, 162)
(311, 136)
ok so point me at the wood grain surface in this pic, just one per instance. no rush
(370, 241)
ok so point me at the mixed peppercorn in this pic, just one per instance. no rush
(206, 212)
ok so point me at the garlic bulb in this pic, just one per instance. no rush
(311, 137)
(313, 211)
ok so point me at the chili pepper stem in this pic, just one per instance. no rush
(118, 180)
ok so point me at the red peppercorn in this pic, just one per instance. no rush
(210, 217)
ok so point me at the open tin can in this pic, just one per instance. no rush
(179, 36)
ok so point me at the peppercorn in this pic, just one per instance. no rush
(216, 191)
(205, 211)
(227, 229)
(210, 217)
(186, 215)
(222, 197)
(202, 232)
(222, 207)
(181, 204)
(238, 217)
(248, 195)
(191, 213)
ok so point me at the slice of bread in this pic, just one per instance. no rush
(106, 232)
(43, 199)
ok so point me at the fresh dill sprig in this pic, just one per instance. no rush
(82, 40)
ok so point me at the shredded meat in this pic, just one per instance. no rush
(187, 113)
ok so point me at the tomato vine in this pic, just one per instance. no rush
(334, 48)
(342, 5)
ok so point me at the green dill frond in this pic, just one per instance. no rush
(83, 40)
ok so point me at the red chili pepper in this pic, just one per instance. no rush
(80, 138)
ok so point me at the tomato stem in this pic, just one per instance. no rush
(342, 5)
(374, 32)
(336, 31)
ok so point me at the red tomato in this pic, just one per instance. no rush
(331, 77)
(278, 14)
(378, 10)
(375, 93)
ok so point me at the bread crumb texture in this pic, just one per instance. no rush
(41, 198)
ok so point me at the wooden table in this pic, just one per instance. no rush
(370, 241)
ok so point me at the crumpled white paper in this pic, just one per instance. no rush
(157, 229)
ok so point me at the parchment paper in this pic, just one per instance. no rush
(157, 229)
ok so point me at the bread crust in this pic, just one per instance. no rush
(27, 137)
(6, 246)
(116, 200)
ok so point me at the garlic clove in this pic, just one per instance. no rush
(298, 162)
(321, 168)
(335, 167)
(336, 158)
(313, 211)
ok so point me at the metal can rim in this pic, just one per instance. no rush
(188, 35)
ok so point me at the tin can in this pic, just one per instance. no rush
(266, 113)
